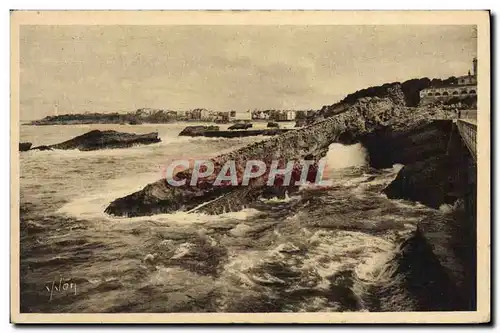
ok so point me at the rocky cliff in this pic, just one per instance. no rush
(445, 248)
(367, 115)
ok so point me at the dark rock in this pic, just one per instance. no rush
(96, 139)
(387, 146)
(24, 146)
(436, 176)
(273, 124)
(42, 147)
(240, 134)
(197, 130)
(239, 126)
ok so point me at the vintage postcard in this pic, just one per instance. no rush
(250, 167)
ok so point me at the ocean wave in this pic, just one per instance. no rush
(287, 198)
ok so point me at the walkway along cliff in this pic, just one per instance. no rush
(439, 259)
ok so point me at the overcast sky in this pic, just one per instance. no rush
(123, 68)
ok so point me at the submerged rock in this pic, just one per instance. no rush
(245, 133)
(441, 174)
(238, 126)
(42, 147)
(197, 130)
(96, 139)
(24, 146)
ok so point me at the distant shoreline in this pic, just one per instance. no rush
(58, 121)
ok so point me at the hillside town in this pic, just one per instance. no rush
(202, 114)
(159, 116)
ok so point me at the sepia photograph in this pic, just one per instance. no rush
(257, 167)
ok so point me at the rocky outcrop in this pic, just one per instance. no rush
(96, 139)
(437, 263)
(367, 115)
(389, 146)
(25, 146)
(152, 116)
(240, 126)
(406, 93)
(197, 130)
(214, 132)
(434, 160)
(438, 169)
(241, 134)
(445, 247)
(42, 148)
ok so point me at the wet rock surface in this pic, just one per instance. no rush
(97, 139)
(25, 146)
(240, 126)
(197, 130)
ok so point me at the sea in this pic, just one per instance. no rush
(320, 249)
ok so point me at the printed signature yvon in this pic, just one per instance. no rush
(61, 287)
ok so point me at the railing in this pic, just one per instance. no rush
(468, 132)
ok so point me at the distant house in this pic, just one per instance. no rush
(172, 114)
(240, 116)
(290, 115)
(260, 114)
(222, 117)
(201, 114)
(284, 115)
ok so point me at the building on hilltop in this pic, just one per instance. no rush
(465, 87)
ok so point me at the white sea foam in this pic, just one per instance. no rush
(287, 198)
(330, 253)
(93, 206)
(345, 156)
(397, 167)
